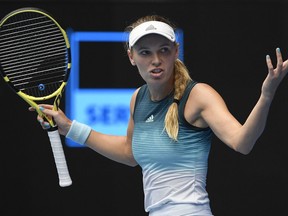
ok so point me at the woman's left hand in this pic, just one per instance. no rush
(275, 75)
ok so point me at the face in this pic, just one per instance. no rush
(154, 56)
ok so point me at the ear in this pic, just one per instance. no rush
(129, 53)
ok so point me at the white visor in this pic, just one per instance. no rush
(151, 27)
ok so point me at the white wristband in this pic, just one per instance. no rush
(78, 132)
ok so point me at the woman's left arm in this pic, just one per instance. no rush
(256, 121)
(243, 137)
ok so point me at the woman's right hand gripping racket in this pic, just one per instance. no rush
(35, 62)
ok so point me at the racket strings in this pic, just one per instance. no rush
(11, 67)
(33, 53)
(24, 17)
(21, 47)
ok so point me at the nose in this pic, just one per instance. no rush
(156, 61)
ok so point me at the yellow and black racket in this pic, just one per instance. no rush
(35, 62)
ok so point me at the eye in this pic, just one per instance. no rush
(144, 52)
(165, 49)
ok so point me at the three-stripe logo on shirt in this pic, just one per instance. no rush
(150, 119)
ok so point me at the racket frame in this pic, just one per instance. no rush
(63, 173)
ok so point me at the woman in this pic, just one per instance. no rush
(171, 122)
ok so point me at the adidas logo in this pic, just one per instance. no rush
(150, 119)
(151, 27)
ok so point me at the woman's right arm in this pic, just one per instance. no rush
(116, 148)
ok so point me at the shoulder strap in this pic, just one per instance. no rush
(184, 99)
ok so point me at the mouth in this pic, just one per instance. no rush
(156, 71)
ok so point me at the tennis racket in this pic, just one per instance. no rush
(35, 62)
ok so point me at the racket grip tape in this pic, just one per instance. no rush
(59, 158)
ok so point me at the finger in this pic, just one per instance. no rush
(269, 64)
(279, 58)
(46, 106)
(40, 119)
(44, 124)
(285, 66)
(46, 109)
(31, 109)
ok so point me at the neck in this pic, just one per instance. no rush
(160, 93)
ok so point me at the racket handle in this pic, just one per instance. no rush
(59, 157)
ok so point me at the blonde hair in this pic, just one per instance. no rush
(181, 79)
